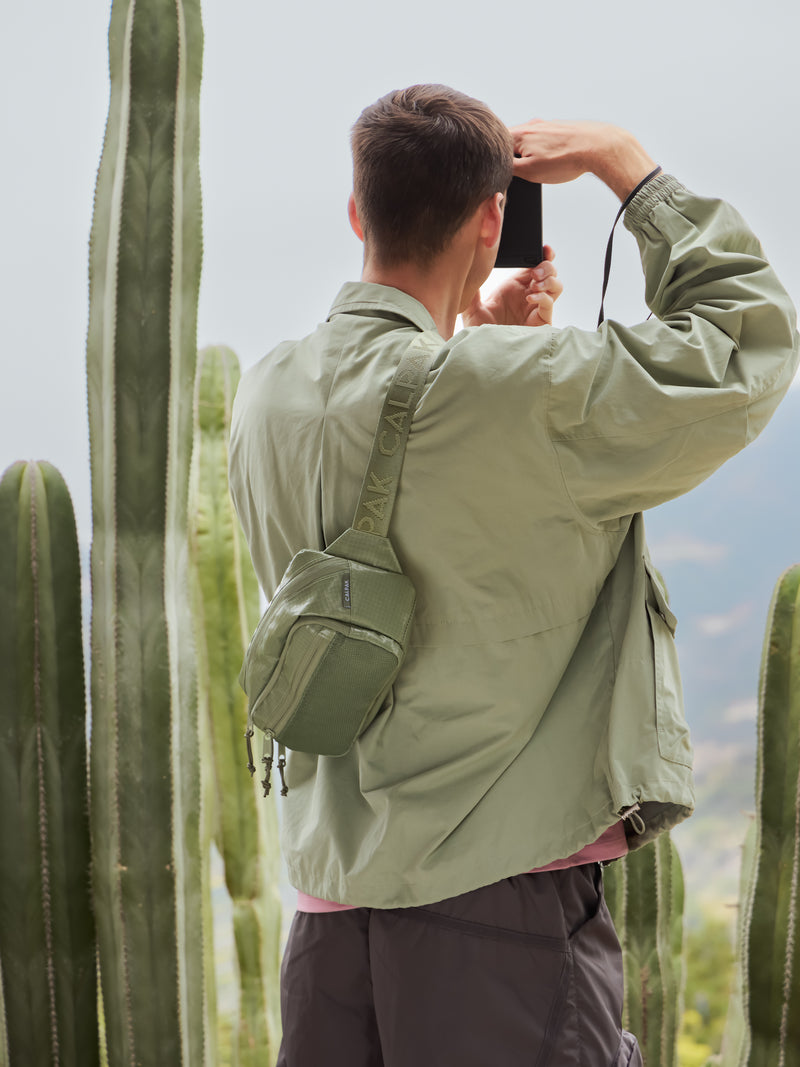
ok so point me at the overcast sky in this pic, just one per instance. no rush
(710, 88)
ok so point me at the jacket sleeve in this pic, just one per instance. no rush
(640, 415)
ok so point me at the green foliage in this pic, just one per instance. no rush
(692, 1050)
(226, 603)
(645, 896)
(144, 277)
(47, 947)
(710, 963)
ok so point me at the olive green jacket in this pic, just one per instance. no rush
(540, 700)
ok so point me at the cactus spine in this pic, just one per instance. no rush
(144, 277)
(771, 961)
(645, 896)
(47, 942)
(226, 612)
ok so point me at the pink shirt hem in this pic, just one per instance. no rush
(611, 845)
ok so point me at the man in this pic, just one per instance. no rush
(451, 908)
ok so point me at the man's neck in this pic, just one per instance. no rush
(439, 288)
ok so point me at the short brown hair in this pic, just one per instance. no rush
(425, 158)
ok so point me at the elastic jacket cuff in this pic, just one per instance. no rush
(657, 189)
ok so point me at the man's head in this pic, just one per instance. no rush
(424, 159)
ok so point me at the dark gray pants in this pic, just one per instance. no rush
(527, 971)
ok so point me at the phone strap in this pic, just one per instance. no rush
(610, 245)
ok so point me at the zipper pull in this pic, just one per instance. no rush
(636, 821)
(266, 759)
(247, 736)
(281, 765)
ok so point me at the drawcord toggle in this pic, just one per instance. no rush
(632, 815)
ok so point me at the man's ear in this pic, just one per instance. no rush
(352, 213)
(492, 219)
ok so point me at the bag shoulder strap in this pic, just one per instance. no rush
(379, 488)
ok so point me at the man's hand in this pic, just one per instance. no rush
(555, 152)
(525, 298)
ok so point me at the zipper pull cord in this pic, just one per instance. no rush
(281, 765)
(266, 759)
(250, 765)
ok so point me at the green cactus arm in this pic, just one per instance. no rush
(645, 896)
(643, 961)
(144, 271)
(47, 937)
(772, 978)
(227, 608)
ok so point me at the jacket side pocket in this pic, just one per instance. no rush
(673, 733)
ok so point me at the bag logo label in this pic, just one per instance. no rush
(346, 591)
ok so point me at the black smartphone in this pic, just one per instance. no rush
(521, 237)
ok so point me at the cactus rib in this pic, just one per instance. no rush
(47, 911)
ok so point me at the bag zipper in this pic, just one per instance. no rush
(267, 758)
(332, 563)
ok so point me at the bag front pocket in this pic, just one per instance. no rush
(329, 684)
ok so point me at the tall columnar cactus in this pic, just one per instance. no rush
(645, 896)
(226, 612)
(144, 272)
(771, 921)
(47, 938)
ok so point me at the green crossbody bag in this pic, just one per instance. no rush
(332, 640)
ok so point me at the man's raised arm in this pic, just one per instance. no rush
(557, 152)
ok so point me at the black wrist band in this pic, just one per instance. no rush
(609, 246)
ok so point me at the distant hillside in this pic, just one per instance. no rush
(721, 550)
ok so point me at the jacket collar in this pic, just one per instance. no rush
(368, 296)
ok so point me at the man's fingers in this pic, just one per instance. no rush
(546, 269)
(540, 305)
(518, 132)
(545, 278)
(551, 284)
